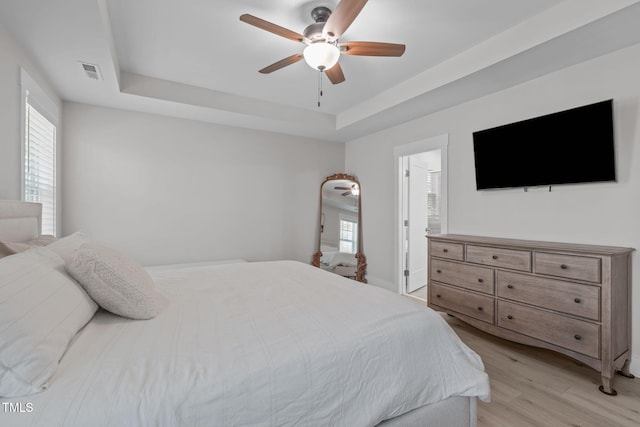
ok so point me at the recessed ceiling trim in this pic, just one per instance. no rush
(547, 25)
(111, 44)
(73, 31)
(150, 87)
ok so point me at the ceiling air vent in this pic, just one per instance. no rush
(91, 70)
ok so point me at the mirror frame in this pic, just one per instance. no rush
(361, 269)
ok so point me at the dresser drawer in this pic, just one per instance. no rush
(498, 257)
(576, 335)
(567, 297)
(479, 279)
(447, 250)
(568, 266)
(473, 305)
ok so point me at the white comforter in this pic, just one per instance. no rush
(257, 344)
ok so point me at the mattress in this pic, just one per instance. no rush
(257, 344)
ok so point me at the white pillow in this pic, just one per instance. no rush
(41, 309)
(10, 248)
(115, 282)
(66, 245)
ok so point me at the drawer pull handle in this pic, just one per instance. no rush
(438, 296)
(481, 280)
(445, 250)
(577, 300)
(510, 286)
(480, 308)
(495, 257)
(510, 317)
(578, 337)
(438, 271)
(564, 266)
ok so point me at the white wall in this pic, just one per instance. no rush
(603, 213)
(167, 190)
(12, 57)
(331, 231)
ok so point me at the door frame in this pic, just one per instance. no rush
(440, 142)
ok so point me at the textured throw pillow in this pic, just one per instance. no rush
(41, 309)
(11, 248)
(115, 282)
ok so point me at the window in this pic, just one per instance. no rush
(348, 235)
(40, 117)
(433, 202)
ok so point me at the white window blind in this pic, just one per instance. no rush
(39, 150)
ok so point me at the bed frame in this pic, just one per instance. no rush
(452, 412)
(21, 221)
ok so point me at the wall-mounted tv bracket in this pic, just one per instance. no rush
(526, 189)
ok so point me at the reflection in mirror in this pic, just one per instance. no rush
(339, 247)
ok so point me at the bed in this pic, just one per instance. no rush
(253, 344)
(341, 263)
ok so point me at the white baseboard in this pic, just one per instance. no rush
(376, 281)
(634, 366)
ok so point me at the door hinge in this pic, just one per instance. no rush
(406, 273)
(406, 173)
(406, 222)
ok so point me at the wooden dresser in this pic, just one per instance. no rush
(574, 299)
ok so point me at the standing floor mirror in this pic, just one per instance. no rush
(339, 245)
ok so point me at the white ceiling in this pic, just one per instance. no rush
(333, 194)
(196, 59)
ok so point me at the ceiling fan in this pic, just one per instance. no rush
(350, 190)
(323, 48)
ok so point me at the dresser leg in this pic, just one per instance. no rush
(625, 370)
(606, 387)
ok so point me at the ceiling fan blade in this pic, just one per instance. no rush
(272, 28)
(342, 188)
(372, 49)
(346, 193)
(282, 63)
(342, 17)
(335, 74)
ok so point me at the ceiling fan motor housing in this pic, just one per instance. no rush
(320, 15)
(314, 32)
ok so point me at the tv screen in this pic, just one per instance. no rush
(572, 146)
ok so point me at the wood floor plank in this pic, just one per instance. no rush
(537, 387)
(623, 409)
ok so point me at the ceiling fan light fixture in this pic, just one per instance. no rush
(321, 55)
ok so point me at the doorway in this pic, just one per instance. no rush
(421, 209)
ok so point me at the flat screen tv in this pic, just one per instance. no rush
(568, 147)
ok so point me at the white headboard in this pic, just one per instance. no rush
(20, 221)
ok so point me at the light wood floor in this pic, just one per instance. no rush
(536, 387)
(420, 293)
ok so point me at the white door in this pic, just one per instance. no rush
(429, 195)
(417, 224)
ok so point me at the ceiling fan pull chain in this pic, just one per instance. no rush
(319, 86)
